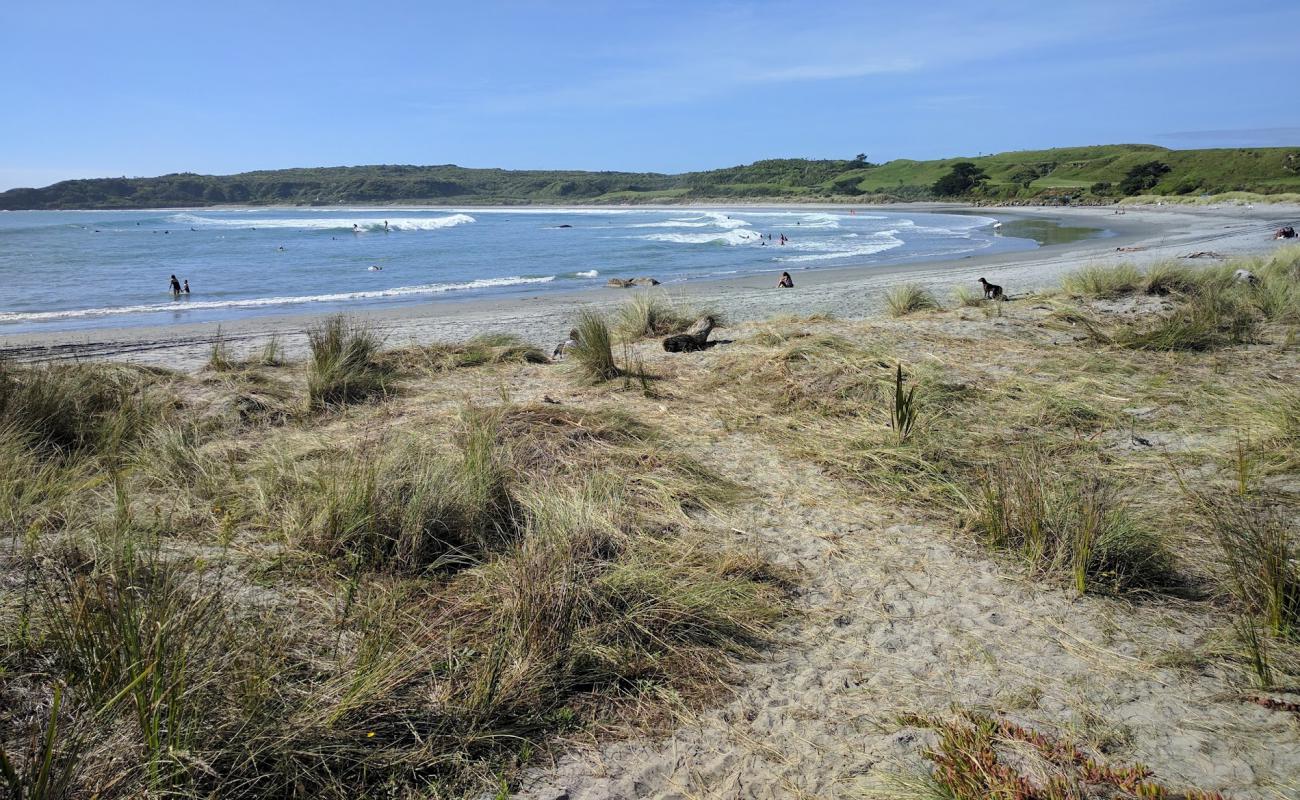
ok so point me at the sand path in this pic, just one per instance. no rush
(894, 617)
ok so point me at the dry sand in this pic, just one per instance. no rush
(848, 292)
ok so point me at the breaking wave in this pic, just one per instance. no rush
(730, 237)
(260, 302)
(327, 223)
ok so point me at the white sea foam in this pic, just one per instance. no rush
(729, 237)
(826, 249)
(715, 219)
(327, 223)
(259, 302)
(590, 273)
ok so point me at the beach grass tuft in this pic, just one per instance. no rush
(910, 298)
(592, 359)
(344, 367)
(1104, 282)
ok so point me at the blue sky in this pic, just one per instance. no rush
(143, 88)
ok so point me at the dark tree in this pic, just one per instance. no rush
(964, 178)
(1143, 177)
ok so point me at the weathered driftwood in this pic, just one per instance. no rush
(628, 283)
(695, 338)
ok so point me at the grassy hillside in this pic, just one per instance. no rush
(1088, 174)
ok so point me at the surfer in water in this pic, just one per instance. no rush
(176, 287)
(385, 226)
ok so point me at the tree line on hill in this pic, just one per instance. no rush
(1087, 174)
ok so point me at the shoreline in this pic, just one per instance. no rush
(1157, 233)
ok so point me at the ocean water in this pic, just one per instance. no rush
(64, 270)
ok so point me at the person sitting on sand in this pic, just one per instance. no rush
(186, 288)
(176, 287)
(566, 345)
(786, 281)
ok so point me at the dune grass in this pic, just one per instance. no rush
(592, 359)
(69, 408)
(649, 314)
(1075, 526)
(909, 299)
(443, 601)
(966, 297)
(1103, 282)
(488, 348)
(344, 367)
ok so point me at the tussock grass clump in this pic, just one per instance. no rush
(823, 373)
(910, 298)
(1080, 528)
(1104, 282)
(219, 358)
(1210, 319)
(649, 314)
(968, 298)
(592, 358)
(1167, 278)
(979, 756)
(344, 367)
(1260, 555)
(271, 354)
(400, 506)
(74, 408)
(488, 348)
(566, 446)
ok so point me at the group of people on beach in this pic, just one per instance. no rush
(177, 289)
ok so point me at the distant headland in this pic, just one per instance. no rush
(1094, 174)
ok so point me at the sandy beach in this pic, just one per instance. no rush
(1141, 235)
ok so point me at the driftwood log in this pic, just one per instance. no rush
(695, 338)
(628, 283)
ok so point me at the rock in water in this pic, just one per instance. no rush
(618, 283)
(645, 282)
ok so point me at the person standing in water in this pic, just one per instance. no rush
(385, 226)
(186, 288)
(176, 287)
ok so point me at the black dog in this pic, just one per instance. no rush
(991, 291)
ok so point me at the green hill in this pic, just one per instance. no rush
(1076, 174)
